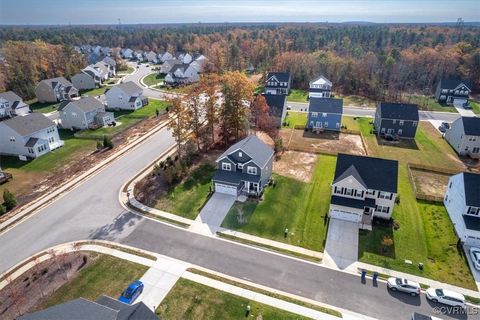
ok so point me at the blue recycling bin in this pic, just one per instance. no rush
(364, 275)
(375, 276)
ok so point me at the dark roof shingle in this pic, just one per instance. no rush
(453, 83)
(399, 111)
(471, 126)
(471, 183)
(326, 105)
(281, 76)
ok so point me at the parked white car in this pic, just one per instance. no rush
(448, 297)
(475, 255)
(404, 285)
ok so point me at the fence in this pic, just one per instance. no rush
(423, 196)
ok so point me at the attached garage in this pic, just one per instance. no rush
(344, 215)
(225, 188)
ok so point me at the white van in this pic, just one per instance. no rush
(448, 297)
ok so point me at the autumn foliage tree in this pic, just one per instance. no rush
(179, 123)
(237, 92)
(262, 117)
(209, 85)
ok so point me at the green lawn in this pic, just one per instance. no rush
(358, 101)
(44, 107)
(475, 106)
(350, 123)
(187, 198)
(297, 95)
(259, 90)
(294, 118)
(106, 275)
(124, 72)
(153, 79)
(191, 300)
(426, 233)
(428, 103)
(298, 206)
(95, 92)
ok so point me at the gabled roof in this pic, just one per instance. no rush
(254, 148)
(376, 173)
(326, 105)
(471, 126)
(10, 96)
(281, 76)
(130, 88)
(398, 111)
(454, 83)
(322, 80)
(352, 171)
(471, 183)
(28, 124)
(276, 103)
(86, 104)
(54, 81)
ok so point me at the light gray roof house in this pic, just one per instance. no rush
(254, 148)
(29, 124)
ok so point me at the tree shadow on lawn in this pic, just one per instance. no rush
(376, 241)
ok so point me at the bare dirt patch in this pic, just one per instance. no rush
(265, 138)
(430, 182)
(28, 290)
(297, 165)
(328, 142)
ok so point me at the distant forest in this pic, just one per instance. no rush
(378, 61)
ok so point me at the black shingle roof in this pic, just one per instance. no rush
(354, 203)
(281, 76)
(275, 102)
(453, 83)
(327, 105)
(471, 183)
(234, 177)
(400, 111)
(376, 173)
(471, 126)
(471, 222)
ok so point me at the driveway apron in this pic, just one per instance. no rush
(213, 213)
(341, 250)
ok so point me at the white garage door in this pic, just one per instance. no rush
(343, 215)
(223, 188)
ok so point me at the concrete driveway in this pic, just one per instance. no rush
(213, 213)
(341, 250)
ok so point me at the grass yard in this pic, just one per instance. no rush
(187, 198)
(296, 205)
(191, 300)
(153, 79)
(428, 103)
(297, 95)
(350, 123)
(107, 275)
(36, 106)
(475, 106)
(294, 118)
(95, 92)
(358, 101)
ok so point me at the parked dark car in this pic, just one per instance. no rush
(442, 129)
(132, 292)
(446, 125)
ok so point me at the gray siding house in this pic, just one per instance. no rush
(246, 167)
(12, 105)
(29, 136)
(125, 96)
(85, 81)
(325, 114)
(278, 83)
(84, 113)
(398, 120)
(55, 90)
(464, 136)
(453, 92)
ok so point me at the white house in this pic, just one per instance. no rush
(12, 105)
(462, 201)
(464, 136)
(167, 66)
(127, 53)
(30, 136)
(182, 74)
(320, 87)
(125, 96)
(111, 64)
(166, 56)
(363, 188)
(84, 113)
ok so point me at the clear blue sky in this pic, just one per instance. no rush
(167, 11)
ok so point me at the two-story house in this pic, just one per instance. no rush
(182, 74)
(462, 201)
(325, 114)
(111, 64)
(464, 136)
(453, 91)
(12, 105)
(320, 87)
(363, 188)
(125, 96)
(126, 53)
(55, 90)
(86, 80)
(399, 120)
(166, 56)
(278, 83)
(29, 136)
(246, 167)
(84, 113)
(167, 66)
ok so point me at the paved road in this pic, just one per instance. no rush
(142, 71)
(92, 211)
(370, 112)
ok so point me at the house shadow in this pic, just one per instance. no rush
(379, 241)
(327, 135)
(110, 231)
(402, 143)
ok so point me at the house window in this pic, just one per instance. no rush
(324, 115)
(371, 192)
(314, 114)
(30, 150)
(401, 122)
(473, 211)
(348, 192)
(251, 170)
(414, 123)
(450, 185)
(384, 195)
(400, 131)
(325, 124)
(394, 121)
(240, 154)
(226, 166)
(338, 125)
(12, 139)
(382, 209)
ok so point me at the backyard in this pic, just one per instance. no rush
(294, 118)
(191, 300)
(297, 95)
(301, 207)
(47, 107)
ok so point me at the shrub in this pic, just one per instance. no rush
(99, 145)
(9, 200)
(2, 210)
(107, 142)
